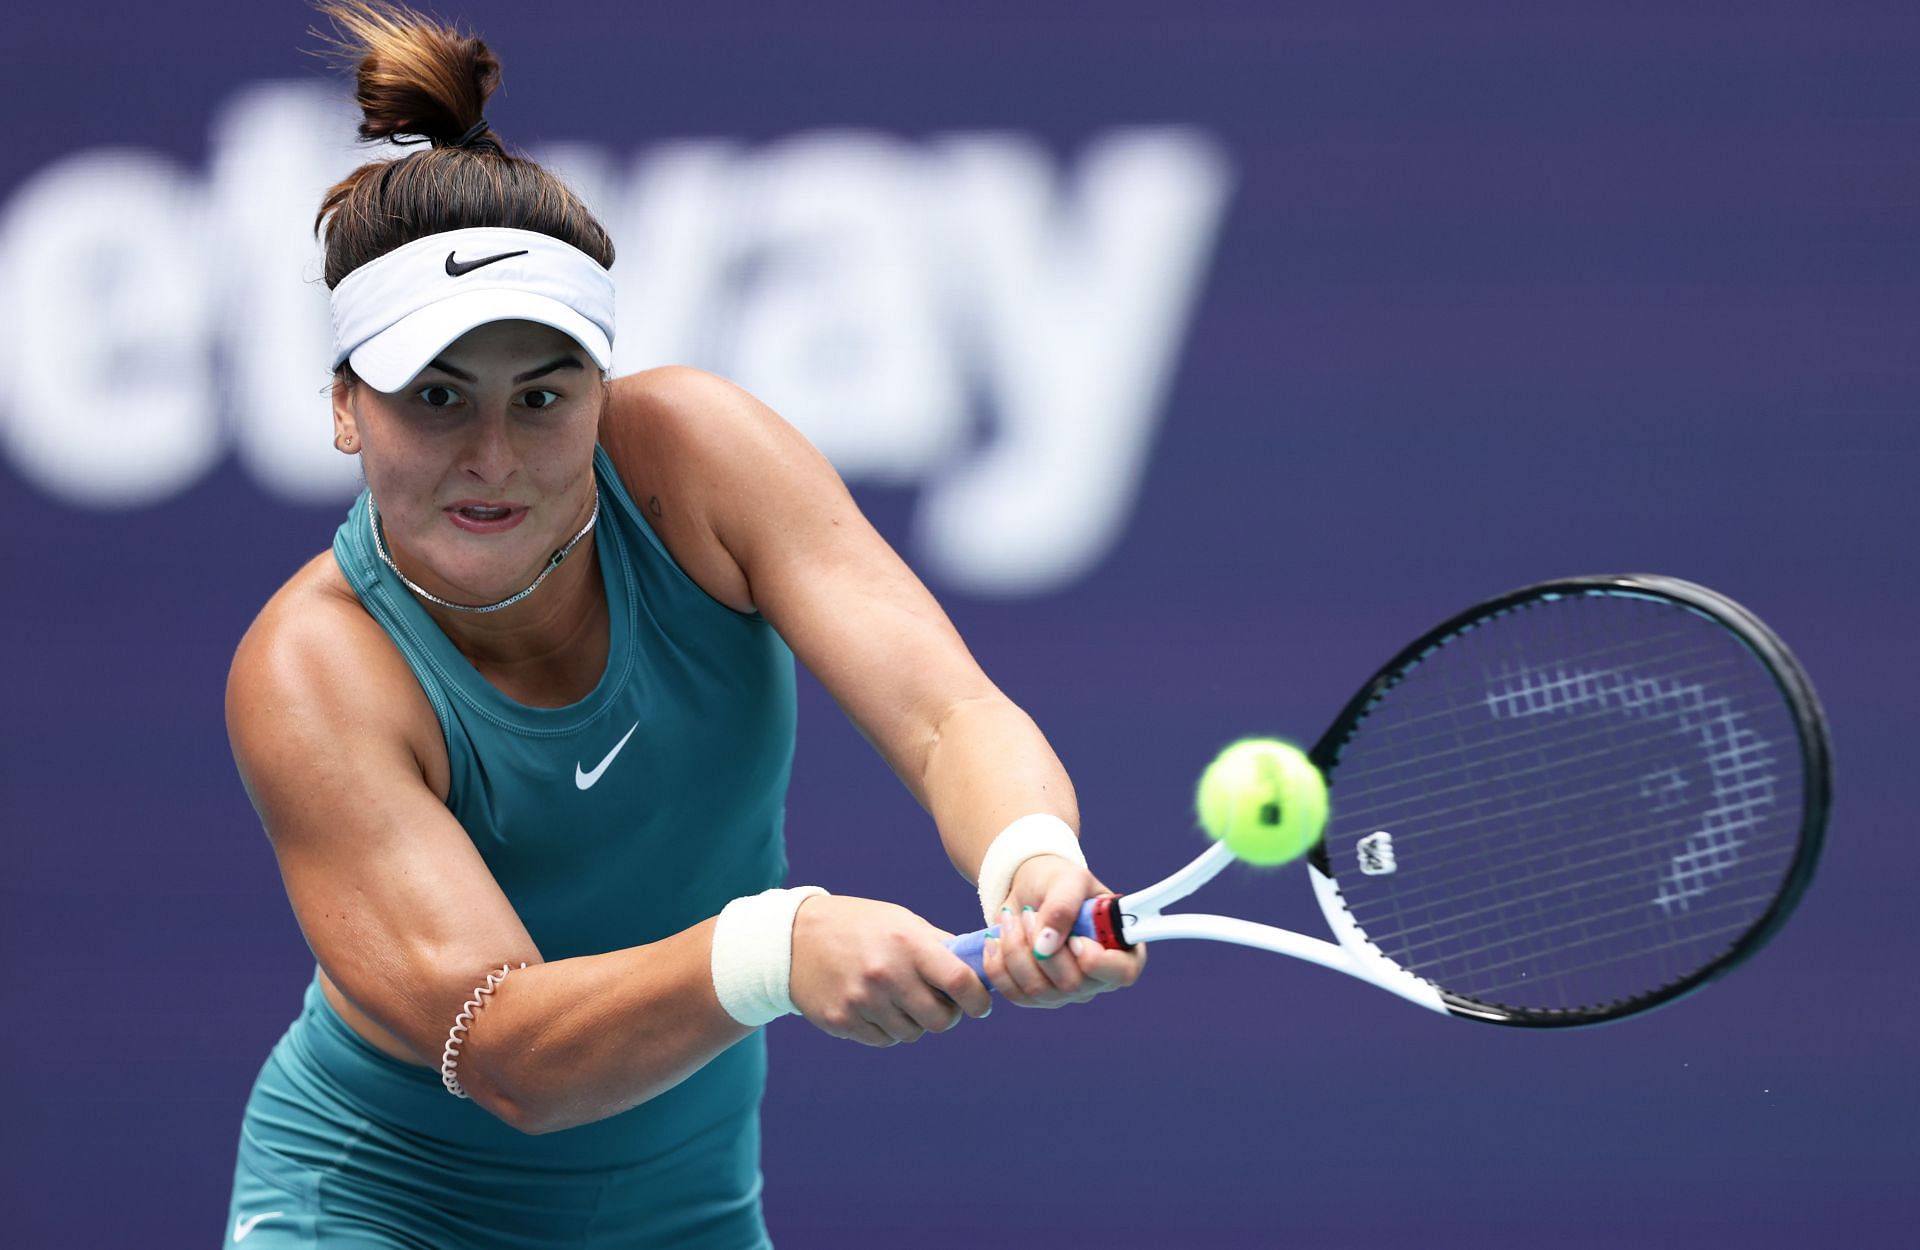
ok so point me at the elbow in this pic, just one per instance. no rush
(533, 1117)
(548, 1109)
(523, 1102)
(497, 1090)
(507, 1069)
(516, 1114)
(538, 1119)
(523, 1114)
(531, 1124)
(536, 1115)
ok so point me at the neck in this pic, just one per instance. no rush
(549, 651)
(564, 596)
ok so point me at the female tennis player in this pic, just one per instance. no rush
(521, 740)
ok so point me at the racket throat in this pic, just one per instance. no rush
(1364, 959)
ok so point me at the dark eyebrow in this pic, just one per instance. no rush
(565, 362)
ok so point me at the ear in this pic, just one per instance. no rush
(346, 427)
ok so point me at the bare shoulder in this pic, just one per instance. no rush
(342, 757)
(315, 667)
(683, 406)
(708, 462)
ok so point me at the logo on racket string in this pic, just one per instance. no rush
(1739, 761)
(1376, 854)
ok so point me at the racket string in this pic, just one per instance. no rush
(1449, 756)
(1406, 935)
(1585, 656)
(1455, 848)
(1573, 777)
(1725, 931)
(1540, 949)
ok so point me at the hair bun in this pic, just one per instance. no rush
(413, 75)
(418, 81)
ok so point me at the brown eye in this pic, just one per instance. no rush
(535, 400)
(438, 396)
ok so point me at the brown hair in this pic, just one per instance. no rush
(415, 76)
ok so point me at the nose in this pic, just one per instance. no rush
(489, 456)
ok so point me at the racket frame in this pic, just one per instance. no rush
(1810, 725)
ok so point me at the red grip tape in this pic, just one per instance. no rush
(1106, 923)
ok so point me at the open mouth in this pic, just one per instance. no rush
(485, 517)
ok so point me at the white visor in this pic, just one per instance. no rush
(393, 315)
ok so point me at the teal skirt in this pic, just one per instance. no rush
(343, 1145)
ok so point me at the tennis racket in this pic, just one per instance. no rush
(1564, 806)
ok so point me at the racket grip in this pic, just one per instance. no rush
(1099, 919)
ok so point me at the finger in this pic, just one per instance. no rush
(993, 960)
(1053, 926)
(932, 1012)
(867, 1033)
(946, 972)
(895, 1023)
(1057, 913)
(994, 964)
(1109, 968)
(1061, 968)
(852, 1028)
(1017, 951)
(1013, 943)
(1095, 967)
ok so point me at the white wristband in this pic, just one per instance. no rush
(753, 954)
(1019, 842)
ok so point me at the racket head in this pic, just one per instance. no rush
(1597, 794)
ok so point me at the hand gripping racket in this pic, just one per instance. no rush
(1564, 806)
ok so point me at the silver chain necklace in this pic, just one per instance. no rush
(553, 562)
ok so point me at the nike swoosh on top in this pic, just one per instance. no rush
(585, 780)
(242, 1228)
(457, 267)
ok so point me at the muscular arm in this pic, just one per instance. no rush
(854, 614)
(771, 527)
(339, 751)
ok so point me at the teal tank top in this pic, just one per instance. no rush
(621, 819)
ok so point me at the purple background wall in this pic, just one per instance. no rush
(1494, 294)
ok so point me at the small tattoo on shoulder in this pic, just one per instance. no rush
(653, 504)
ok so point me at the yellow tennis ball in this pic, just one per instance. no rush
(1264, 799)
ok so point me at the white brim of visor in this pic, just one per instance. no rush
(393, 357)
